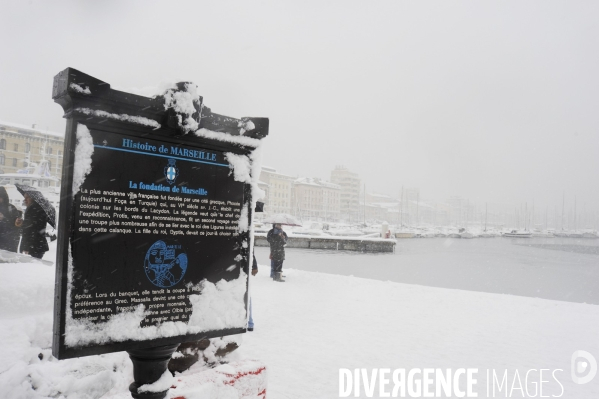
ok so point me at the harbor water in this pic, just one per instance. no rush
(564, 269)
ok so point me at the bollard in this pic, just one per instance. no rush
(149, 364)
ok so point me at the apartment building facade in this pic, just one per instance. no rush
(279, 191)
(23, 147)
(316, 199)
(349, 183)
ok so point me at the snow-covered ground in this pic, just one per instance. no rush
(315, 324)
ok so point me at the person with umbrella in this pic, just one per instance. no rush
(38, 214)
(9, 231)
(277, 239)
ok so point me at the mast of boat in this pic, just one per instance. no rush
(563, 206)
(520, 212)
(467, 215)
(574, 213)
(401, 209)
(365, 211)
(525, 209)
(486, 214)
(532, 216)
(417, 206)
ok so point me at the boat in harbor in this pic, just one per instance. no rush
(488, 234)
(518, 234)
(544, 234)
(345, 232)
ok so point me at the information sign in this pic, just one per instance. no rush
(153, 224)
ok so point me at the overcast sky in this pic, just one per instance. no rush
(496, 101)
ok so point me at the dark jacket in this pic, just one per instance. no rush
(34, 229)
(277, 243)
(9, 233)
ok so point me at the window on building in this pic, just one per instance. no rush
(27, 147)
(49, 150)
(49, 165)
(2, 145)
(59, 153)
(15, 147)
(25, 164)
(14, 162)
(1, 159)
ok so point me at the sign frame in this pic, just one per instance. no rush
(76, 91)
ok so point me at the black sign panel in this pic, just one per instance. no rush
(150, 249)
(152, 217)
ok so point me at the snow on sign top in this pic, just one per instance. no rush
(154, 226)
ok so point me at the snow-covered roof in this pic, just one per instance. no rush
(30, 129)
(274, 173)
(312, 181)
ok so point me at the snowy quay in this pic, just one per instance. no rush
(359, 244)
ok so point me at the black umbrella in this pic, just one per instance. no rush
(41, 201)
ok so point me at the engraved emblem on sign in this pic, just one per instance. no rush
(165, 264)
(171, 172)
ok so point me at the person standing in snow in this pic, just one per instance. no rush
(34, 241)
(9, 232)
(277, 239)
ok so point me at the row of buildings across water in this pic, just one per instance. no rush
(29, 149)
(341, 198)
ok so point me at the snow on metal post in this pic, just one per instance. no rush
(154, 230)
